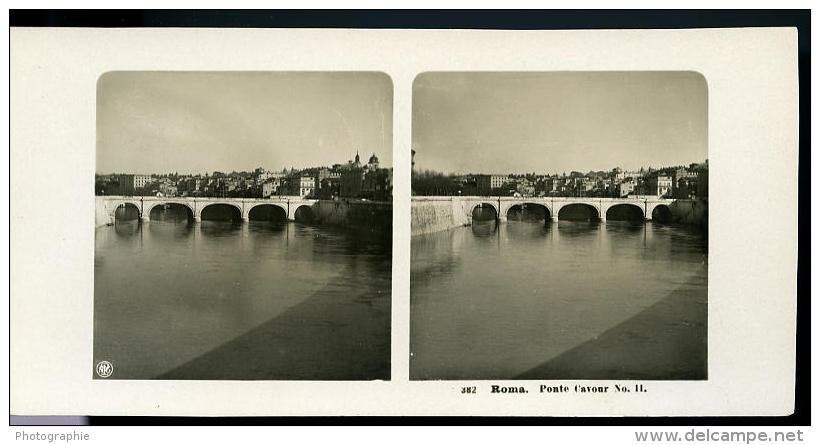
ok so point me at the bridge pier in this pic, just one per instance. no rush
(197, 218)
(602, 218)
(554, 219)
(245, 219)
(502, 219)
(145, 218)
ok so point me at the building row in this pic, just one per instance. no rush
(676, 182)
(353, 179)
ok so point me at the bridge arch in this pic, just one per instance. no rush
(221, 211)
(303, 214)
(625, 211)
(150, 212)
(578, 211)
(267, 212)
(530, 211)
(126, 210)
(661, 213)
(112, 206)
(149, 206)
(484, 211)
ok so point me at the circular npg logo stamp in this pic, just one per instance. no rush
(104, 369)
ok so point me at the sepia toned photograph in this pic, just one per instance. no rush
(243, 226)
(559, 226)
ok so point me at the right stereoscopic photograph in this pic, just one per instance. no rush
(559, 226)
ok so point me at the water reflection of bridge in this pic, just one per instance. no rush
(286, 206)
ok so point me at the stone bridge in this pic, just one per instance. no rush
(144, 205)
(553, 205)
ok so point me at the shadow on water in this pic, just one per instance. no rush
(685, 240)
(348, 342)
(341, 241)
(666, 341)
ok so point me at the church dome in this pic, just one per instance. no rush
(373, 159)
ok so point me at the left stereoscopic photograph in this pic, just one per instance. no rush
(243, 226)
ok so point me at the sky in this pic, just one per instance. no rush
(197, 122)
(555, 122)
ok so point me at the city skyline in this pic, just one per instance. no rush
(645, 168)
(518, 123)
(340, 163)
(197, 122)
(302, 168)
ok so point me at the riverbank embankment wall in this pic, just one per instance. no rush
(102, 214)
(690, 211)
(369, 216)
(434, 214)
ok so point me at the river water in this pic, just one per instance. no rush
(259, 300)
(566, 300)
